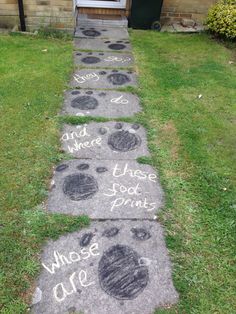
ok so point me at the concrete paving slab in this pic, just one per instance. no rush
(103, 78)
(105, 189)
(88, 20)
(103, 44)
(103, 59)
(118, 267)
(100, 103)
(108, 140)
(102, 32)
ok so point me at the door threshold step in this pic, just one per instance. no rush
(101, 20)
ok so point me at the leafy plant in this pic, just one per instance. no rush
(221, 19)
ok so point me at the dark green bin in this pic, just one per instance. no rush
(145, 14)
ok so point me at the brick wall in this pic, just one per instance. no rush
(59, 13)
(8, 13)
(56, 13)
(175, 10)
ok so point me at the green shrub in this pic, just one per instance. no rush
(221, 19)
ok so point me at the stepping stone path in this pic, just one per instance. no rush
(102, 45)
(103, 59)
(100, 103)
(111, 267)
(103, 78)
(105, 189)
(108, 140)
(102, 32)
(119, 264)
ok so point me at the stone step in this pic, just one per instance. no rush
(101, 32)
(116, 267)
(103, 59)
(105, 140)
(95, 20)
(120, 45)
(100, 103)
(103, 78)
(105, 189)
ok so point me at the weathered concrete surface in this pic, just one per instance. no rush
(100, 103)
(105, 189)
(181, 29)
(103, 78)
(108, 140)
(85, 20)
(102, 32)
(110, 267)
(103, 59)
(103, 44)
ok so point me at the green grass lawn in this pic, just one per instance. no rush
(194, 147)
(192, 141)
(31, 94)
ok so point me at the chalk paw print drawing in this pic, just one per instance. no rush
(100, 32)
(105, 59)
(118, 262)
(100, 79)
(84, 102)
(117, 45)
(91, 32)
(80, 186)
(103, 140)
(100, 103)
(118, 78)
(124, 140)
(105, 189)
(122, 273)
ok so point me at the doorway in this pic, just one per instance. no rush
(111, 4)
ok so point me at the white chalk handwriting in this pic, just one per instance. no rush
(60, 292)
(87, 77)
(116, 187)
(121, 201)
(72, 257)
(120, 100)
(139, 174)
(87, 144)
(73, 135)
(117, 59)
(75, 146)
